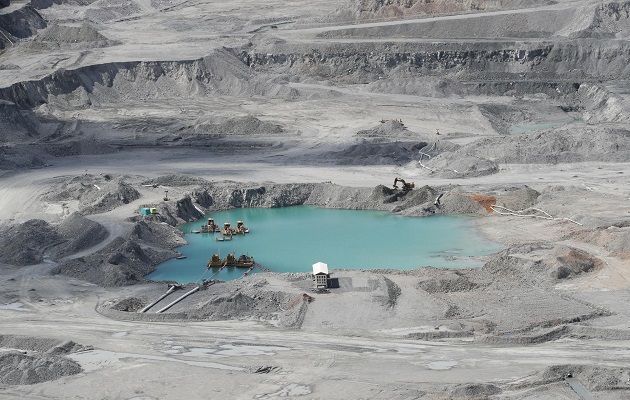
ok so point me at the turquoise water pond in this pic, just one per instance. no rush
(292, 239)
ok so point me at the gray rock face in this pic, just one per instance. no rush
(186, 210)
(272, 195)
(22, 22)
(203, 198)
(157, 234)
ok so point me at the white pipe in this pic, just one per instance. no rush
(178, 300)
(170, 290)
(7, 38)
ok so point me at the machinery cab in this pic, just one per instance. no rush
(230, 259)
(244, 261)
(241, 228)
(405, 186)
(215, 261)
(227, 229)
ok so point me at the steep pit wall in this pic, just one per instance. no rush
(417, 202)
(603, 103)
(610, 20)
(578, 59)
(483, 68)
(234, 195)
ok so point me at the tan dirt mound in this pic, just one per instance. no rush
(566, 262)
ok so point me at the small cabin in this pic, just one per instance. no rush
(321, 276)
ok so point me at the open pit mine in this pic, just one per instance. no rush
(120, 121)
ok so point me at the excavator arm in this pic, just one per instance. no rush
(405, 186)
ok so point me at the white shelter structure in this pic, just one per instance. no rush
(321, 276)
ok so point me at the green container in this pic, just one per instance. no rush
(145, 211)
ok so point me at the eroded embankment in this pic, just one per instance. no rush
(220, 73)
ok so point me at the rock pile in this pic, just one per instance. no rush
(27, 243)
(30, 360)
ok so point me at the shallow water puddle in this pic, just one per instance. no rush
(292, 389)
(13, 306)
(229, 350)
(442, 365)
(407, 350)
(96, 359)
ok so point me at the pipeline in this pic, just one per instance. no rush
(519, 213)
(170, 290)
(178, 300)
(211, 276)
(246, 272)
(262, 267)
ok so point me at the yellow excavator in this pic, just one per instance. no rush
(405, 186)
